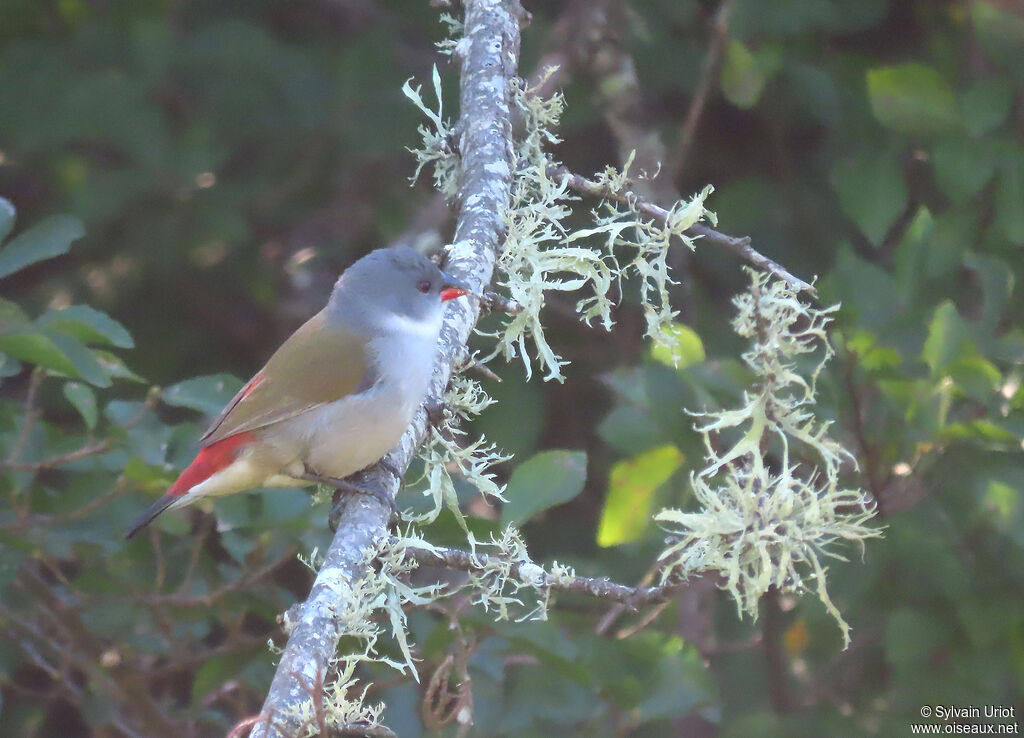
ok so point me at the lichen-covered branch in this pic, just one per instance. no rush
(489, 54)
(536, 577)
(738, 245)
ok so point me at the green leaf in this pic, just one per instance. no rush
(45, 240)
(7, 216)
(1003, 502)
(985, 106)
(11, 316)
(31, 346)
(975, 376)
(218, 670)
(630, 429)
(870, 355)
(948, 338)
(686, 350)
(871, 191)
(997, 282)
(814, 92)
(912, 636)
(86, 365)
(912, 98)
(742, 80)
(150, 478)
(207, 394)
(84, 401)
(115, 367)
(631, 488)
(963, 167)
(979, 430)
(1000, 33)
(88, 325)
(8, 366)
(1009, 196)
(548, 479)
(517, 418)
(547, 643)
(951, 240)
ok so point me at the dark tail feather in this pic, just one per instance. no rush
(151, 512)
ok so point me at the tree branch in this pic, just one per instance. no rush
(740, 246)
(489, 55)
(708, 75)
(631, 597)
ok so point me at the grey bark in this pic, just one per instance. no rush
(489, 54)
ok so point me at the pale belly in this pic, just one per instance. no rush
(353, 433)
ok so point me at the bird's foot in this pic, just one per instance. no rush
(344, 489)
(391, 469)
(438, 412)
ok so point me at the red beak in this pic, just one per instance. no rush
(452, 288)
(452, 292)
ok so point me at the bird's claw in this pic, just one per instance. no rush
(391, 469)
(344, 489)
(438, 412)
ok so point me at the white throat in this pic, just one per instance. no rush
(403, 353)
(402, 325)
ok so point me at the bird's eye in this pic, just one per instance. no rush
(424, 286)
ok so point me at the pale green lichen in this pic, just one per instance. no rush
(644, 244)
(455, 26)
(342, 696)
(541, 255)
(508, 570)
(436, 149)
(763, 526)
(536, 258)
(445, 453)
(344, 700)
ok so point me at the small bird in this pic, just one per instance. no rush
(337, 395)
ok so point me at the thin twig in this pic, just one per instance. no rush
(180, 599)
(616, 611)
(493, 302)
(708, 75)
(90, 449)
(868, 450)
(740, 246)
(605, 589)
(771, 629)
(69, 638)
(35, 379)
(241, 728)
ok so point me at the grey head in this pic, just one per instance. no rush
(392, 283)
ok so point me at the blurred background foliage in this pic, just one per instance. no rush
(190, 176)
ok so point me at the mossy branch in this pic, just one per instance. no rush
(738, 245)
(489, 54)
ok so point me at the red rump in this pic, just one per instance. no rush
(208, 462)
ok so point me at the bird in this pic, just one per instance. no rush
(337, 394)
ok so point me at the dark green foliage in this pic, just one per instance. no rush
(189, 178)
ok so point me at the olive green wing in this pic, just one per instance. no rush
(318, 364)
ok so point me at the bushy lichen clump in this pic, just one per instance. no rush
(446, 453)
(543, 255)
(763, 525)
